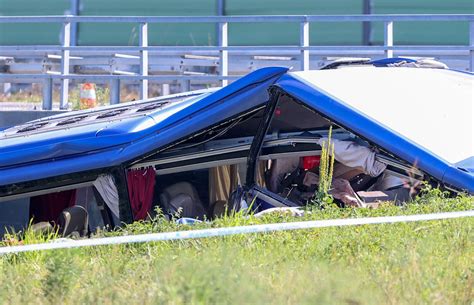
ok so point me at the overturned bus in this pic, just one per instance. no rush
(257, 140)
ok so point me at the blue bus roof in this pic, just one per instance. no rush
(357, 98)
(110, 137)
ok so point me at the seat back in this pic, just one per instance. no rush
(183, 197)
(279, 168)
(73, 221)
(42, 227)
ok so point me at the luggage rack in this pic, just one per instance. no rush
(234, 151)
(231, 151)
(111, 113)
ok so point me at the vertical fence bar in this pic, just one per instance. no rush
(471, 43)
(144, 60)
(7, 89)
(367, 25)
(74, 8)
(304, 42)
(63, 101)
(223, 54)
(48, 94)
(114, 91)
(220, 11)
(388, 38)
(165, 89)
(185, 85)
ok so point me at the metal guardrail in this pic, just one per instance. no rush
(303, 49)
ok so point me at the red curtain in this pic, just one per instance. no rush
(48, 207)
(141, 184)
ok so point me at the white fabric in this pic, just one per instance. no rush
(360, 157)
(356, 156)
(106, 187)
(288, 211)
(433, 108)
(350, 156)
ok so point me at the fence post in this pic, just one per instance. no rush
(223, 54)
(74, 10)
(220, 11)
(143, 60)
(114, 91)
(7, 87)
(185, 85)
(63, 101)
(471, 43)
(304, 42)
(367, 25)
(165, 89)
(388, 38)
(48, 94)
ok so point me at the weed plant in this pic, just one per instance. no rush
(326, 169)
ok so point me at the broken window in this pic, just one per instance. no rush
(89, 207)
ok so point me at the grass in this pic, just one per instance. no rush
(407, 263)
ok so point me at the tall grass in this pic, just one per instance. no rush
(326, 169)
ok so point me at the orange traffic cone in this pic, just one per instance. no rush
(88, 97)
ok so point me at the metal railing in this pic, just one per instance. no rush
(304, 49)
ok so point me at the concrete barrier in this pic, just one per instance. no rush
(12, 118)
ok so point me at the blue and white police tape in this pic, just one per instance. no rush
(215, 232)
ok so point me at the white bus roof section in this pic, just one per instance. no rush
(431, 107)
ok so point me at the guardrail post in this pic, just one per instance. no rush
(144, 60)
(114, 91)
(367, 25)
(7, 87)
(63, 101)
(48, 94)
(185, 85)
(388, 38)
(304, 42)
(223, 54)
(471, 43)
(74, 9)
(165, 89)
